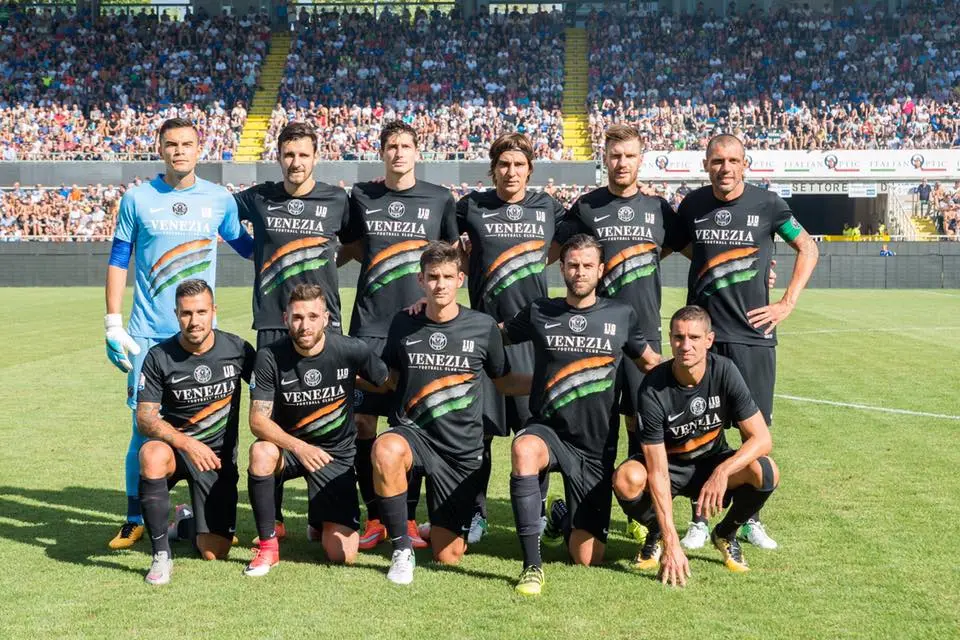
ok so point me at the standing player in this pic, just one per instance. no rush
(296, 225)
(171, 223)
(731, 226)
(579, 341)
(391, 223)
(684, 405)
(511, 232)
(437, 357)
(302, 416)
(188, 406)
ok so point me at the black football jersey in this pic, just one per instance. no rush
(199, 395)
(439, 366)
(313, 396)
(395, 227)
(732, 248)
(509, 246)
(295, 241)
(689, 421)
(577, 353)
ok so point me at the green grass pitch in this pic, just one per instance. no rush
(867, 512)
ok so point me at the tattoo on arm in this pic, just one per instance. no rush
(263, 407)
(152, 425)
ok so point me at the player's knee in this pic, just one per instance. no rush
(769, 473)
(527, 452)
(388, 453)
(213, 547)
(629, 480)
(366, 426)
(154, 459)
(337, 553)
(264, 457)
(451, 554)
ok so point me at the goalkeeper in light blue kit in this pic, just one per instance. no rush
(171, 223)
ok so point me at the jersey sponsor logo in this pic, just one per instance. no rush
(515, 229)
(295, 207)
(609, 328)
(312, 378)
(713, 402)
(394, 262)
(629, 265)
(293, 259)
(599, 218)
(438, 361)
(698, 406)
(674, 416)
(202, 374)
(541, 215)
(303, 225)
(175, 227)
(343, 373)
(369, 211)
(579, 343)
(511, 266)
(753, 221)
(551, 325)
(175, 380)
(179, 208)
(313, 396)
(440, 397)
(396, 210)
(229, 371)
(725, 236)
(577, 324)
(649, 218)
(423, 213)
(514, 212)
(284, 382)
(577, 380)
(726, 269)
(625, 214)
(320, 211)
(468, 346)
(626, 232)
(390, 227)
(207, 391)
(180, 262)
(438, 341)
(722, 217)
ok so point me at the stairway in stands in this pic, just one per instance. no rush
(926, 229)
(576, 127)
(250, 148)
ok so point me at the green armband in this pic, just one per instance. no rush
(790, 229)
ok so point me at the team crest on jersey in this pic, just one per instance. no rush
(722, 217)
(577, 324)
(295, 207)
(437, 341)
(179, 208)
(312, 378)
(625, 214)
(202, 374)
(698, 406)
(514, 212)
(396, 210)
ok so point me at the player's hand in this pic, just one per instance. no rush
(710, 501)
(674, 566)
(202, 456)
(772, 277)
(312, 458)
(119, 342)
(770, 316)
(416, 307)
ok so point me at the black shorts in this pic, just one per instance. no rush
(374, 404)
(587, 481)
(213, 494)
(630, 382)
(758, 366)
(452, 483)
(688, 478)
(503, 414)
(331, 491)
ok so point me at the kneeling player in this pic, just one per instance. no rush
(302, 415)
(437, 358)
(684, 404)
(579, 344)
(192, 380)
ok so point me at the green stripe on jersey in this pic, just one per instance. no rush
(294, 270)
(520, 274)
(396, 274)
(627, 278)
(723, 283)
(456, 404)
(182, 275)
(575, 394)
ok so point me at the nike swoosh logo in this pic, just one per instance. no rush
(412, 342)
(490, 215)
(601, 218)
(176, 380)
(156, 209)
(551, 325)
(466, 528)
(369, 211)
(674, 417)
(275, 207)
(699, 220)
(286, 382)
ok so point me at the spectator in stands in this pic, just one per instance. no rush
(923, 195)
(885, 251)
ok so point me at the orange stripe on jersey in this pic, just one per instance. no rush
(532, 245)
(393, 250)
(437, 385)
(290, 247)
(578, 366)
(629, 252)
(319, 413)
(696, 443)
(211, 408)
(727, 256)
(186, 247)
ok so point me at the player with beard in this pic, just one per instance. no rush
(188, 408)
(579, 343)
(727, 230)
(297, 226)
(391, 222)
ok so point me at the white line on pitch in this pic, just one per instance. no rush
(866, 407)
(866, 330)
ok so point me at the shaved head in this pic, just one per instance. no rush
(725, 140)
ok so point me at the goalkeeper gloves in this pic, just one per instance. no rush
(119, 342)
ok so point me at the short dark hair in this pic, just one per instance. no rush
(193, 287)
(620, 133)
(578, 242)
(305, 292)
(723, 140)
(296, 131)
(692, 313)
(439, 252)
(395, 128)
(511, 142)
(176, 123)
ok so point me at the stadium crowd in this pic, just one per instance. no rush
(945, 209)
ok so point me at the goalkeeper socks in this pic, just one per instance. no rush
(134, 514)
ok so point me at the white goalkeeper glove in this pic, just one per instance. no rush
(119, 342)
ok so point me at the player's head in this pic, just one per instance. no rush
(179, 144)
(511, 164)
(725, 162)
(306, 316)
(581, 262)
(399, 147)
(297, 151)
(691, 335)
(622, 155)
(440, 273)
(195, 310)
